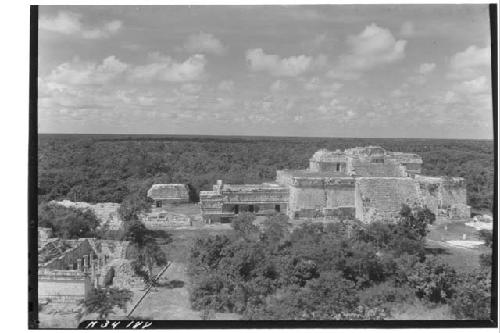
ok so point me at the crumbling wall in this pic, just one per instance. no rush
(165, 219)
(63, 285)
(106, 212)
(310, 197)
(306, 198)
(339, 196)
(382, 198)
(444, 196)
(67, 260)
(43, 236)
(430, 192)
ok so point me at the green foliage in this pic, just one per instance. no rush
(147, 252)
(243, 225)
(472, 298)
(487, 237)
(67, 223)
(133, 205)
(413, 222)
(433, 280)
(485, 260)
(103, 301)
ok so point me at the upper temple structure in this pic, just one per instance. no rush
(366, 183)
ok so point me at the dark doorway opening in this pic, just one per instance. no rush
(277, 208)
(158, 204)
(236, 209)
(250, 208)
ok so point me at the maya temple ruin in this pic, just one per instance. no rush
(366, 183)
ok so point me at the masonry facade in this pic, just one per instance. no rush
(367, 183)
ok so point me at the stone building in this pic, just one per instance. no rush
(163, 194)
(367, 183)
(69, 269)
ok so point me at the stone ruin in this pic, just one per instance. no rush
(69, 269)
(367, 183)
(106, 212)
(163, 194)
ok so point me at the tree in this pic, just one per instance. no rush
(103, 301)
(148, 252)
(413, 222)
(433, 280)
(67, 222)
(487, 237)
(243, 225)
(133, 205)
(472, 298)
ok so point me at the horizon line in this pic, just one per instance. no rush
(266, 136)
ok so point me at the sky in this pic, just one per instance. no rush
(420, 71)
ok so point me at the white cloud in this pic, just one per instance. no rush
(373, 47)
(77, 72)
(105, 31)
(226, 85)
(167, 69)
(407, 29)
(278, 85)
(292, 66)
(65, 22)
(470, 63)
(475, 86)
(70, 23)
(426, 68)
(204, 43)
(330, 90)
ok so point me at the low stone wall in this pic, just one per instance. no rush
(165, 219)
(106, 212)
(63, 285)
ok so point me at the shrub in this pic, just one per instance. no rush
(485, 260)
(433, 280)
(486, 236)
(472, 298)
(68, 223)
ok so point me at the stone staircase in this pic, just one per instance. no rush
(384, 196)
(367, 169)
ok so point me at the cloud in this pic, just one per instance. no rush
(105, 31)
(64, 22)
(69, 23)
(407, 29)
(373, 47)
(276, 66)
(226, 85)
(475, 86)
(422, 73)
(78, 72)
(426, 68)
(470, 63)
(204, 43)
(278, 85)
(167, 69)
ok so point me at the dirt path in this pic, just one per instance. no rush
(170, 301)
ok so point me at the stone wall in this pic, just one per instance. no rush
(106, 212)
(444, 196)
(164, 219)
(43, 236)
(68, 259)
(310, 197)
(382, 198)
(63, 285)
